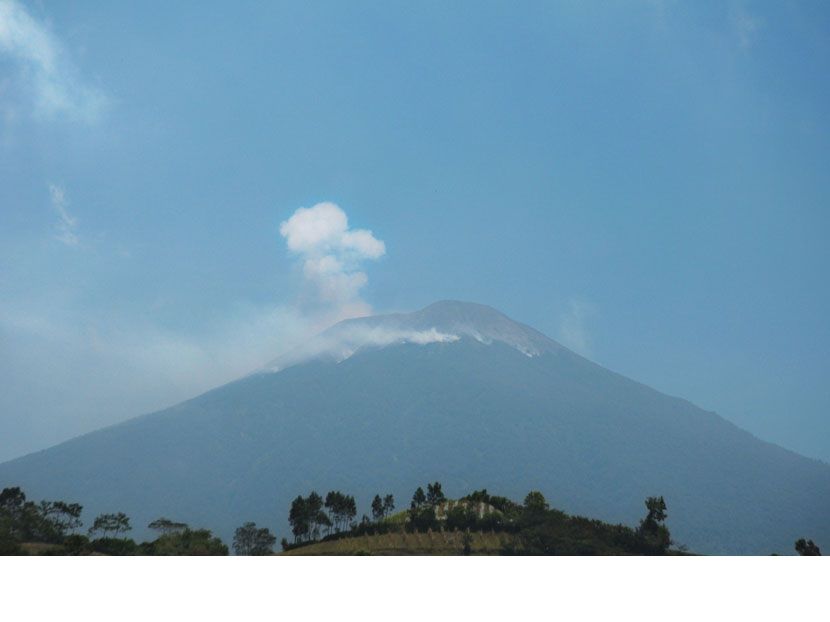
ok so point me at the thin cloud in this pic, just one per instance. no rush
(100, 368)
(67, 225)
(45, 72)
(746, 26)
(573, 328)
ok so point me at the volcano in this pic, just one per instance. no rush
(456, 392)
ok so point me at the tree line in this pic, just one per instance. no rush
(538, 529)
(58, 523)
(312, 517)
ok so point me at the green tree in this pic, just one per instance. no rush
(298, 518)
(45, 522)
(418, 499)
(250, 540)
(12, 510)
(652, 527)
(306, 517)
(479, 496)
(377, 508)
(9, 545)
(64, 517)
(187, 542)
(110, 523)
(423, 518)
(462, 516)
(339, 507)
(421, 513)
(434, 494)
(656, 507)
(12, 501)
(316, 516)
(535, 502)
(165, 526)
(349, 511)
(388, 505)
(807, 548)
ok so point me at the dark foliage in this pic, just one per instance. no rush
(422, 519)
(535, 502)
(114, 546)
(381, 508)
(8, 544)
(422, 507)
(307, 517)
(64, 517)
(418, 499)
(165, 526)
(341, 510)
(388, 505)
(52, 522)
(22, 520)
(185, 542)
(76, 544)
(652, 528)
(434, 494)
(509, 508)
(462, 517)
(377, 508)
(807, 548)
(111, 524)
(537, 529)
(251, 540)
(543, 531)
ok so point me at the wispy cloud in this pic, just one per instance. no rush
(343, 340)
(67, 225)
(746, 26)
(573, 328)
(79, 368)
(332, 255)
(45, 72)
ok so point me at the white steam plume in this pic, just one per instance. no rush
(573, 330)
(340, 342)
(332, 256)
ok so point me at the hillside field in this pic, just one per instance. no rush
(403, 543)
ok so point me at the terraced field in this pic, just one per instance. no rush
(402, 543)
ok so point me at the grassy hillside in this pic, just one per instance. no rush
(480, 524)
(403, 543)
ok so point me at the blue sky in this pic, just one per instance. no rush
(646, 182)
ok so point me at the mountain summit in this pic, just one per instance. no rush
(445, 321)
(455, 392)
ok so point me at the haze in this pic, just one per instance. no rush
(644, 182)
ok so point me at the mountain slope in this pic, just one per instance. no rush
(485, 403)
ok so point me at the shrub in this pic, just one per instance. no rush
(76, 544)
(114, 546)
(188, 542)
